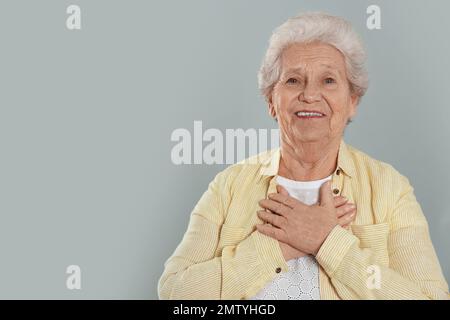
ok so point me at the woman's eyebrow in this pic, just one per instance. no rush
(300, 70)
(294, 70)
(328, 66)
(332, 69)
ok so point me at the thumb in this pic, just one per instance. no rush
(326, 197)
(282, 190)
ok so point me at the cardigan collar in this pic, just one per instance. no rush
(345, 162)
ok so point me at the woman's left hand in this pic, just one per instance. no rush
(297, 224)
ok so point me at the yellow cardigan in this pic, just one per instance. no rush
(222, 256)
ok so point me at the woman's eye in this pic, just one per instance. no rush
(292, 80)
(329, 80)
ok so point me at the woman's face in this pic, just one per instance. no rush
(313, 78)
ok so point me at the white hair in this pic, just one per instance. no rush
(310, 27)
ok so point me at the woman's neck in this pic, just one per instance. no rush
(308, 161)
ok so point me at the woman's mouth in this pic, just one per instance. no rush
(309, 115)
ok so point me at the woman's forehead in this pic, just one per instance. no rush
(299, 57)
(323, 55)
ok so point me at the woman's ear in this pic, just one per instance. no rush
(271, 106)
(354, 101)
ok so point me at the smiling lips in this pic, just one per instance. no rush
(309, 114)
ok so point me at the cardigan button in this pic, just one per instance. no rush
(335, 191)
(338, 171)
(278, 270)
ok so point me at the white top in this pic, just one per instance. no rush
(301, 281)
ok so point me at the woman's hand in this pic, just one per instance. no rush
(346, 213)
(299, 228)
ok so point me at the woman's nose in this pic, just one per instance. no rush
(310, 94)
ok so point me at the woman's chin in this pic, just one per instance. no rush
(310, 137)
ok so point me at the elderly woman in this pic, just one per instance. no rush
(285, 225)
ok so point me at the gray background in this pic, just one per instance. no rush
(86, 118)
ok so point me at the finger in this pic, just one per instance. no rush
(282, 190)
(347, 218)
(272, 232)
(326, 197)
(273, 219)
(339, 201)
(349, 207)
(275, 206)
(284, 199)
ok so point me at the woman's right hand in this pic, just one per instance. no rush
(346, 213)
